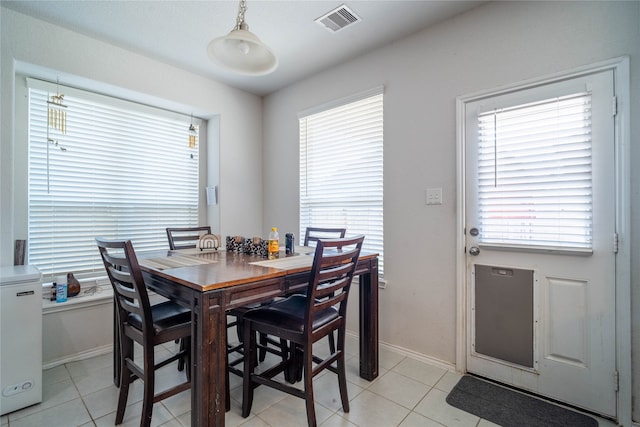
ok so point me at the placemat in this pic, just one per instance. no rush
(287, 263)
(174, 261)
(195, 251)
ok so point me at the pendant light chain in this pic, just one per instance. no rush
(240, 24)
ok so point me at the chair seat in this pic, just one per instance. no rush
(288, 314)
(165, 315)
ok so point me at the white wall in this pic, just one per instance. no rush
(52, 52)
(493, 45)
(76, 332)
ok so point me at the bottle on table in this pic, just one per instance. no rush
(290, 239)
(274, 244)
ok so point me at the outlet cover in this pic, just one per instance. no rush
(433, 196)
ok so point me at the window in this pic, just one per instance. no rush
(120, 170)
(534, 174)
(341, 169)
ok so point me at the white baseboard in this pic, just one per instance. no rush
(419, 356)
(412, 354)
(98, 351)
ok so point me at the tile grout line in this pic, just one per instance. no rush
(80, 394)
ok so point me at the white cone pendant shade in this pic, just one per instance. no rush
(243, 52)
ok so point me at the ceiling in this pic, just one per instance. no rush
(178, 32)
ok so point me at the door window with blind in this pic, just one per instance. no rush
(534, 174)
(341, 169)
(104, 167)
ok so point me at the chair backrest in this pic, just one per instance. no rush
(333, 267)
(186, 237)
(125, 275)
(313, 234)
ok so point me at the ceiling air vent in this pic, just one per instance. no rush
(338, 19)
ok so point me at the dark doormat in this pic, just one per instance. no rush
(509, 408)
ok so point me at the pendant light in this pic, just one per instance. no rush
(242, 51)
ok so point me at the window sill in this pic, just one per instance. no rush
(103, 294)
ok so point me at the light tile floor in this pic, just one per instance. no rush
(407, 393)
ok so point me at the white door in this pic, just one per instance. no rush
(540, 240)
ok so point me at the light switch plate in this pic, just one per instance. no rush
(433, 196)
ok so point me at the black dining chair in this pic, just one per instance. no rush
(303, 320)
(313, 234)
(148, 325)
(185, 237)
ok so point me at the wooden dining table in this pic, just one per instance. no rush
(212, 282)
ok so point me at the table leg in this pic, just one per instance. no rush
(369, 323)
(208, 355)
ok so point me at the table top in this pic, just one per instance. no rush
(210, 269)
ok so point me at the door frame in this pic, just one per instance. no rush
(620, 68)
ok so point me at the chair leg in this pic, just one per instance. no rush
(182, 348)
(342, 372)
(125, 378)
(126, 351)
(262, 352)
(186, 360)
(250, 355)
(240, 329)
(292, 372)
(332, 343)
(284, 348)
(342, 383)
(298, 357)
(308, 387)
(264, 342)
(149, 385)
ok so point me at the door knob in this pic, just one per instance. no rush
(474, 250)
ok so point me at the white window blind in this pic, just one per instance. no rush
(535, 174)
(341, 171)
(117, 172)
